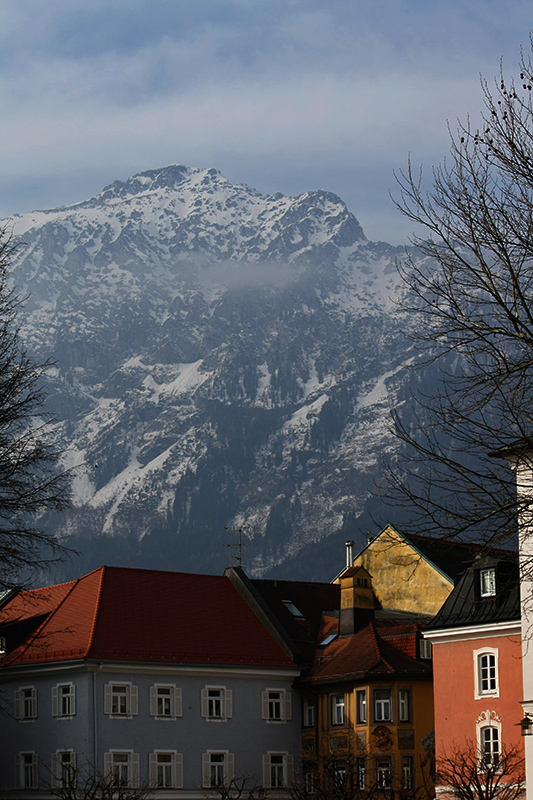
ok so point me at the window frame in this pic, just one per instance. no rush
(227, 764)
(175, 765)
(361, 707)
(209, 703)
(130, 696)
(408, 772)
(404, 704)
(269, 703)
(425, 649)
(338, 710)
(490, 746)
(57, 769)
(26, 759)
(283, 767)
(174, 698)
(58, 696)
(478, 655)
(26, 706)
(381, 769)
(309, 712)
(487, 582)
(381, 701)
(132, 766)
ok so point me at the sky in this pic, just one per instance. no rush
(283, 95)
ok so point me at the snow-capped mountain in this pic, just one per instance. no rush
(223, 360)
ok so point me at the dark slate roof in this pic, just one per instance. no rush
(449, 556)
(465, 606)
(310, 599)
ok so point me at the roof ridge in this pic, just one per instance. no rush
(377, 646)
(96, 609)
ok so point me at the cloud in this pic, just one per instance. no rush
(277, 90)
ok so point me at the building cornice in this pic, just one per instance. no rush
(471, 632)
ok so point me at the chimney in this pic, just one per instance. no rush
(349, 553)
(357, 600)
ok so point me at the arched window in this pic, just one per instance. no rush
(486, 673)
(490, 746)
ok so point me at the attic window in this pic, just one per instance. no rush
(2, 645)
(329, 638)
(362, 581)
(289, 605)
(487, 582)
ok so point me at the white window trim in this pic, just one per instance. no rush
(487, 719)
(334, 707)
(176, 705)
(133, 765)
(176, 766)
(56, 764)
(19, 704)
(288, 767)
(478, 694)
(228, 767)
(132, 694)
(286, 705)
(19, 769)
(226, 702)
(56, 701)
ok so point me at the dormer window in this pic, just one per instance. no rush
(289, 605)
(487, 579)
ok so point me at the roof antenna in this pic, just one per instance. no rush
(240, 544)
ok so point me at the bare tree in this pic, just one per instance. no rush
(240, 787)
(467, 775)
(29, 479)
(469, 281)
(70, 782)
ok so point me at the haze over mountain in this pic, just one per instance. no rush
(223, 360)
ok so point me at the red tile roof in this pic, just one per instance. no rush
(374, 651)
(138, 615)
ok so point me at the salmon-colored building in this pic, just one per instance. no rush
(477, 664)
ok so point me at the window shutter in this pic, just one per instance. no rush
(266, 772)
(134, 700)
(206, 770)
(153, 766)
(73, 763)
(54, 769)
(179, 770)
(153, 702)
(290, 769)
(135, 770)
(55, 702)
(288, 705)
(228, 703)
(205, 705)
(18, 776)
(18, 709)
(108, 765)
(34, 777)
(72, 699)
(230, 768)
(107, 701)
(264, 704)
(177, 702)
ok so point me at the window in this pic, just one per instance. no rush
(276, 705)
(217, 768)
(338, 709)
(383, 773)
(486, 673)
(26, 703)
(120, 699)
(289, 605)
(339, 774)
(426, 648)
(309, 712)
(490, 746)
(26, 771)
(165, 701)
(382, 705)
(166, 769)
(487, 582)
(217, 703)
(360, 770)
(63, 769)
(123, 767)
(404, 705)
(64, 700)
(408, 765)
(360, 706)
(277, 770)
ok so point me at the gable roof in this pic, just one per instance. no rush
(138, 615)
